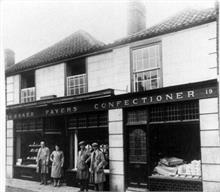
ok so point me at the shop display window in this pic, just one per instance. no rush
(175, 150)
(27, 146)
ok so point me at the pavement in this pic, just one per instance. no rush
(19, 185)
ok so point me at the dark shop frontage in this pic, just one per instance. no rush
(158, 146)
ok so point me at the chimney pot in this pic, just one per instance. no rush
(9, 58)
(136, 16)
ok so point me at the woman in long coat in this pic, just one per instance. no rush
(82, 167)
(97, 167)
(57, 158)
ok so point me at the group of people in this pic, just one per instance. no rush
(43, 158)
(91, 162)
(90, 167)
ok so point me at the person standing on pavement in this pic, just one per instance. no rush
(82, 166)
(97, 168)
(57, 159)
(42, 162)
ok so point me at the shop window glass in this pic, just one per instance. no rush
(136, 117)
(72, 122)
(175, 112)
(157, 113)
(54, 124)
(82, 121)
(190, 111)
(103, 119)
(93, 120)
(29, 125)
(89, 120)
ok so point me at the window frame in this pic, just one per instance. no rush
(160, 68)
(78, 86)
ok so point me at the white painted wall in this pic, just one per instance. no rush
(12, 89)
(50, 81)
(189, 55)
(109, 70)
(9, 148)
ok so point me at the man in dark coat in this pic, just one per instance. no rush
(97, 167)
(82, 167)
(42, 160)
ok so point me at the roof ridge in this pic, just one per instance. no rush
(81, 42)
(85, 34)
(183, 11)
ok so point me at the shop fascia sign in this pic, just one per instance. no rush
(121, 101)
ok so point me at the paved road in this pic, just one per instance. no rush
(13, 189)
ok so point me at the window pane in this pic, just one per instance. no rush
(76, 91)
(154, 84)
(146, 58)
(81, 90)
(140, 76)
(154, 74)
(140, 86)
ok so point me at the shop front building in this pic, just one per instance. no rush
(140, 130)
(150, 100)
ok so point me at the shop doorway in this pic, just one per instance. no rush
(136, 149)
(137, 157)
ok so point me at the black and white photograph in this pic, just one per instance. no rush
(110, 95)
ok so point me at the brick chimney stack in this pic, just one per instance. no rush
(136, 16)
(9, 58)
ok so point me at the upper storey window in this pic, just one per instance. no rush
(28, 87)
(76, 77)
(146, 67)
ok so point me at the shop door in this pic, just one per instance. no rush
(137, 156)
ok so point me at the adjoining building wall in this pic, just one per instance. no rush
(210, 144)
(109, 70)
(116, 150)
(50, 81)
(189, 55)
(9, 148)
(13, 90)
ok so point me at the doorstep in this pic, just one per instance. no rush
(36, 187)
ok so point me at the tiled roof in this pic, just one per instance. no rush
(185, 19)
(80, 43)
(73, 45)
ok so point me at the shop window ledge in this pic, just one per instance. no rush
(174, 178)
(26, 166)
(133, 189)
(176, 121)
(106, 171)
(26, 130)
(53, 132)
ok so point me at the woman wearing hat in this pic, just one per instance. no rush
(97, 167)
(82, 167)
